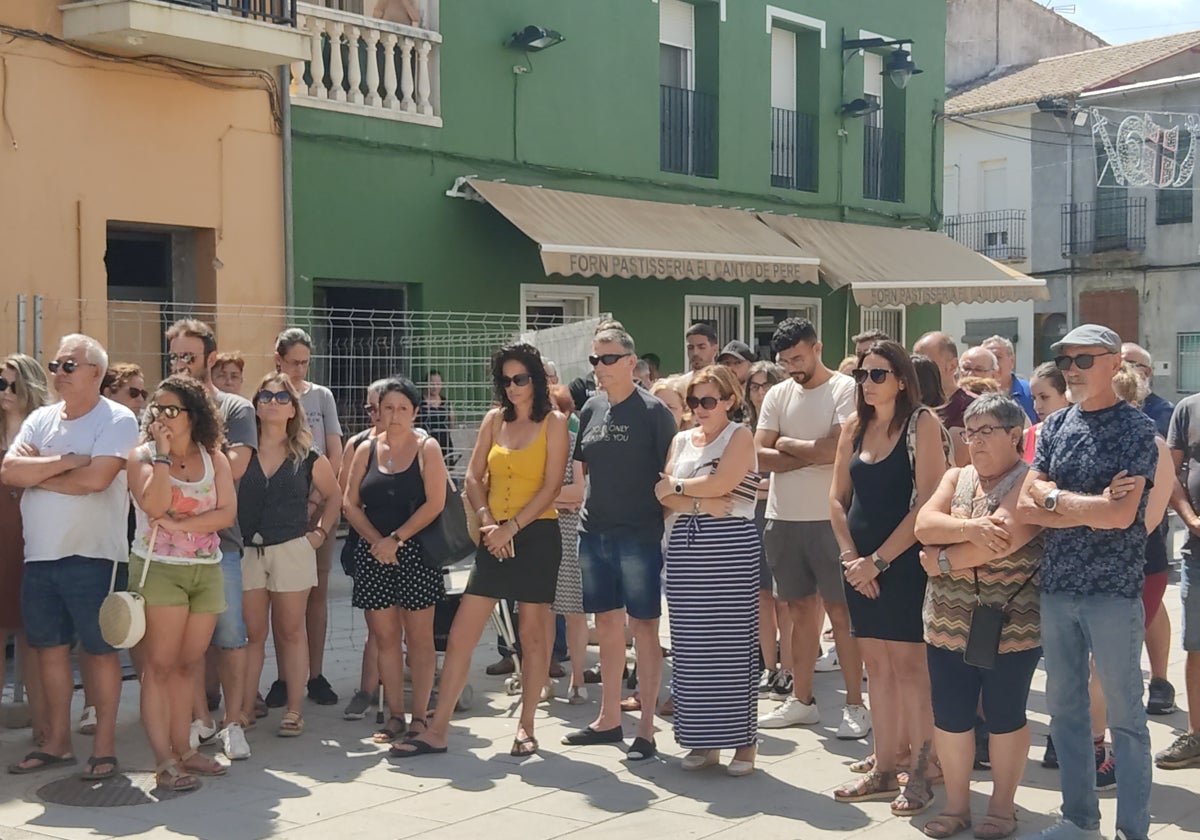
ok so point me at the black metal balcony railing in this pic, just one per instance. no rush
(793, 150)
(269, 11)
(999, 234)
(1117, 224)
(883, 163)
(688, 138)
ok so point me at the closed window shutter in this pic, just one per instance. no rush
(1116, 309)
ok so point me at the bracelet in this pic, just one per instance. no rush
(845, 553)
(696, 506)
(324, 534)
(163, 459)
(516, 525)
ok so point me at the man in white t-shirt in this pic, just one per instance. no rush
(69, 458)
(797, 435)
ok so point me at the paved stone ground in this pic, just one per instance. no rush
(333, 782)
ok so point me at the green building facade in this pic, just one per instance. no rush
(598, 113)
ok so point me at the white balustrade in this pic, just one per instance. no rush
(348, 52)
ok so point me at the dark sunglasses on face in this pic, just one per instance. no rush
(606, 359)
(371, 409)
(520, 380)
(707, 403)
(1083, 361)
(138, 393)
(5, 385)
(186, 358)
(168, 411)
(263, 397)
(68, 366)
(877, 375)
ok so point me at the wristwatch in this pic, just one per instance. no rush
(1051, 500)
(943, 562)
(679, 487)
(880, 563)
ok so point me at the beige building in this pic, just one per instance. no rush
(141, 167)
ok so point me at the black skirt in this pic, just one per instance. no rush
(529, 577)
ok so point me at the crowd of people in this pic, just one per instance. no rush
(954, 523)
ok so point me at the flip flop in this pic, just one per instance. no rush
(47, 761)
(418, 748)
(522, 747)
(588, 735)
(95, 761)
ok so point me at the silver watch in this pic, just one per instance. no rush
(1051, 500)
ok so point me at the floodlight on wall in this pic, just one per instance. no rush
(900, 66)
(534, 39)
(859, 108)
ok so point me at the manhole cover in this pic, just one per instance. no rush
(132, 788)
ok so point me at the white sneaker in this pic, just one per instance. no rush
(791, 712)
(1064, 830)
(233, 742)
(856, 723)
(201, 735)
(828, 662)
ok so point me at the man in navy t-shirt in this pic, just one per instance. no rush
(1088, 487)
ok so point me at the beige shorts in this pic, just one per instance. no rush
(287, 567)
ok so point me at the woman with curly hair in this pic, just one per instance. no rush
(183, 491)
(513, 479)
(125, 383)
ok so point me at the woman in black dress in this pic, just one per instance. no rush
(873, 509)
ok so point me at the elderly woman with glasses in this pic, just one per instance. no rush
(980, 558)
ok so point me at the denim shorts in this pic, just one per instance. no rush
(1189, 593)
(230, 633)
(621, 572)
(60, 601)
(956, 687)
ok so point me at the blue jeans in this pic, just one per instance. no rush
(621, 571)
(1111, 629)
(230, 632)
(60, 601)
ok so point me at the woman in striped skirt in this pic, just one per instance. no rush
(712, 577)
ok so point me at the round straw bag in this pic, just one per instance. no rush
(123, 614)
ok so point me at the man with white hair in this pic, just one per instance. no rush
(551, 371)
(979, 362)
(1156, 408)
(1013, 385)
(69, 458)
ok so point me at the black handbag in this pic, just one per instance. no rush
(987, 625)
(445, 540)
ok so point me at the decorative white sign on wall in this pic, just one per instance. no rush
(1145, 149)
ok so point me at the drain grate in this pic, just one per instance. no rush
(132, 788)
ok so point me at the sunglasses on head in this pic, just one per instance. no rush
(264, 396)
(168, 411)
(877, 375)
(606, 358)
(1083, 361)
(67, 366)
(520, 380)
(707, 403)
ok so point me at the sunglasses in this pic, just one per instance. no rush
(186, 358)
(983, 433)
(1083, 361)
(138, 393)
(707, 403)
(759, 386)
(606, 359)
(264, 397)
(68, 366)
(168, 411)
(5, 385)
(520, 380)
(877, 375)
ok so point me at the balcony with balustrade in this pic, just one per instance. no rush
(999, 234)
(362, 65)
(793, 150)
(1112, 225)
(241, 34)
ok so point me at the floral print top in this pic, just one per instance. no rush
(188, 498)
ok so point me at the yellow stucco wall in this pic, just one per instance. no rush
(86, 142)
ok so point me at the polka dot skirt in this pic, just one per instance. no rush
(409, 584)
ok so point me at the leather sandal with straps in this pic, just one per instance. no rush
(915, 798)
(291, 725)
(169, 776)
(947, 825)
(212, 767)
(993, 827)
(872, 787)
(390, 734)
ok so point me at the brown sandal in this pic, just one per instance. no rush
(874, 786)
(867, 764)
(947, 825)
(168, 776)
(916, 797)
(999, 827)
(213, 768)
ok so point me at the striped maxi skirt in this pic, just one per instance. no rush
(712, 599)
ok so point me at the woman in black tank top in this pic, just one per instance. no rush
(396, 487)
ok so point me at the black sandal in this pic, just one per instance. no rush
(99, 761)
(641, 750)
(388, 735)
(412, 732)
(588, 735)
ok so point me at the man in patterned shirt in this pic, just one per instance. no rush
(1088, 487)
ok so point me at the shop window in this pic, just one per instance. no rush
(1187, 362)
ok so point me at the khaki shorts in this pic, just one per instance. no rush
(287, 567)
(198, 586)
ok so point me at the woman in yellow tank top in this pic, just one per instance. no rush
(515, 474)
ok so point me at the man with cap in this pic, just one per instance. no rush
(738, 357)
(1088, 488)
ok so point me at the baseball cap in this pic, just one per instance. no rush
(740, 349)
(1089, 335)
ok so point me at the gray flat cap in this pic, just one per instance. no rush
(1089, 335)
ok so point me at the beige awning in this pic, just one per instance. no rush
(581, 233)
(892, 266)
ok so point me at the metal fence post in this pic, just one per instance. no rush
(21, 323)
(39, 303)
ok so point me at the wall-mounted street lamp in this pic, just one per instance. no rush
(900, 66)
(534, 39)
(859, 108)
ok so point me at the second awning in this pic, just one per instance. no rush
(897, 267)
(586, 234)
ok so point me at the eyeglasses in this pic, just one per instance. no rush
(1140, 365)
(186, 358)
(67, 366)
(606, 359)
(1083, 361)
(520, 380)
(168, 411)
(966, 370)
(279, 397)
(983, 433)
(877, 375)
(759, 386)
(707, 403)
(370, 409)
(138, 393)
